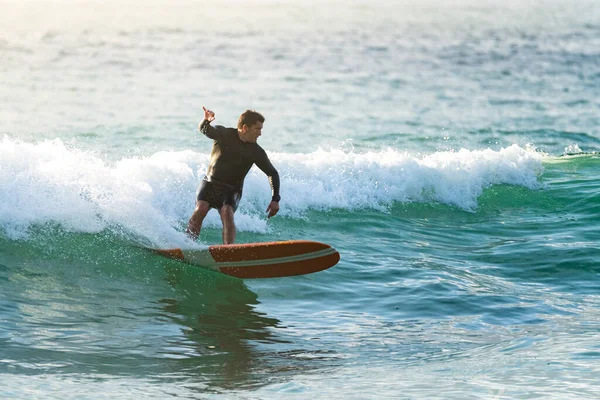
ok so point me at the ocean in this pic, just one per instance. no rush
(449, 150)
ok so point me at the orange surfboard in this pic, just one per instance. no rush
(260, 260)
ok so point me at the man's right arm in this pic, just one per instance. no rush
(208, 130)
(205, 128)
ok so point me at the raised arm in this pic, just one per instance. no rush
(204, 126)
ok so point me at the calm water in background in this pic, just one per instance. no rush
(449, 152)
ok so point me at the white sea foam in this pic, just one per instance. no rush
(572, 149)
(153, 197)
(337, 179)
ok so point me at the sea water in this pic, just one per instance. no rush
(448, 150)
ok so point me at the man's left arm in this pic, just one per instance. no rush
(267, 167)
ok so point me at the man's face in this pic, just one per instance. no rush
(252, 133)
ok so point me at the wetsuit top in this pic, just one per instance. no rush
(231, 158)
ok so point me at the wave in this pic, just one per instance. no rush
(152, 197)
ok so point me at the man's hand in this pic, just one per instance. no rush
(272, 209)
(208, 115)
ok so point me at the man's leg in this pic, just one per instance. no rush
(226, 213)
(195, 222)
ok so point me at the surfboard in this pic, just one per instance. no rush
(260, 260)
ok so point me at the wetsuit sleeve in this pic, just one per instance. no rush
(265, 166)
(212, 132)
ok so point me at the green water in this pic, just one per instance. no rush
(449, 152)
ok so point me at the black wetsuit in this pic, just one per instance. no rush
(230, 160)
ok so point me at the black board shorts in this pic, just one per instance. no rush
(217, 194)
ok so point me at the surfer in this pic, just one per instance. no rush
(233, 153)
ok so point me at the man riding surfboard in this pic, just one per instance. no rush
(233, 153)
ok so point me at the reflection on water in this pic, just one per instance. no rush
(235, 346)
(95, 313)
(230, 337)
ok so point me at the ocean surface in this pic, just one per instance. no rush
(449, 150)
